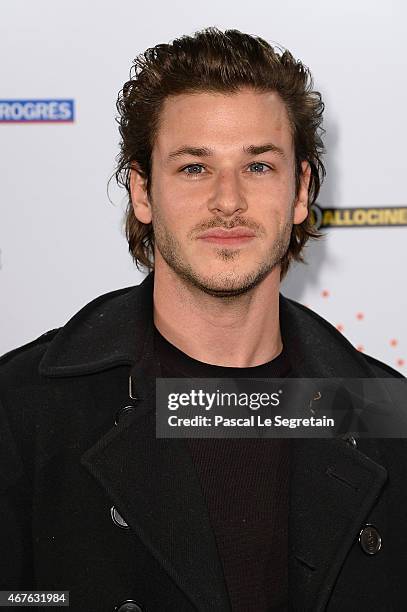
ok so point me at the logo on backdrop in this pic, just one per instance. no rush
(35, 111)
(389, 216)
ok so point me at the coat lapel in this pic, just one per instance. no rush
(333, 486)
(153, 484)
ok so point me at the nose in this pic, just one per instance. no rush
(227, 197)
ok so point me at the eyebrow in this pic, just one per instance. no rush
(206, 152)
(259, 149)
(194, 151)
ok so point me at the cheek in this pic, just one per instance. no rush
(280, 200)
(167, 213)
(170, 195)
(180, 205)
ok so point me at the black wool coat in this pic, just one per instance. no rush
(93, 503)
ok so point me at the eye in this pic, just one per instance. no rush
(193, 170)
(259, 168)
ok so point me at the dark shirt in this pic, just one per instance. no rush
(245, 486)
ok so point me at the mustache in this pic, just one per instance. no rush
(217, 222)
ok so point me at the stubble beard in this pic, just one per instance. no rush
(227, 284)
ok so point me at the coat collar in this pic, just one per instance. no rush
(109, 331)
(115, 329)
(152, 481)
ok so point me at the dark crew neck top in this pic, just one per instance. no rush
(244, 484)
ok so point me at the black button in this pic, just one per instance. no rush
(117, 519)
(370, 540)
(128, 606)
(123, 412)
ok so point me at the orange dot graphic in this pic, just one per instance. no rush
(360, 316)
(360, 348)
(325, 293)
(340, 327)
(400, 362)
(393, 342)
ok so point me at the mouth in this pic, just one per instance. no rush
(232, 237)
(227, 241)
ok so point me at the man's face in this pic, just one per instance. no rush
(223, 197)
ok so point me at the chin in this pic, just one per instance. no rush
(223, 284)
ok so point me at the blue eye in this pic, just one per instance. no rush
(193, 170)
(259, 168)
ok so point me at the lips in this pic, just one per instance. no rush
(236, 237)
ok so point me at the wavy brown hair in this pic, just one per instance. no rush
(215, 61)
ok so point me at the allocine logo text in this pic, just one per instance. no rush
(35, 111)
(386, 216)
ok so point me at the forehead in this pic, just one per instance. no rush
(223, 121)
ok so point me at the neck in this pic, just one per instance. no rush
(243, 331)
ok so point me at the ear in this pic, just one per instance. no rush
(301, 201)
(139, 197)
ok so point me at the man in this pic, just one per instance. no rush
(220, 155)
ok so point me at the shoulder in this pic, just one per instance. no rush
(323, 338)
(20, 366)
(381, 369)
(102, 335)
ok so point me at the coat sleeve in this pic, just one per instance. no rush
(15, 514)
